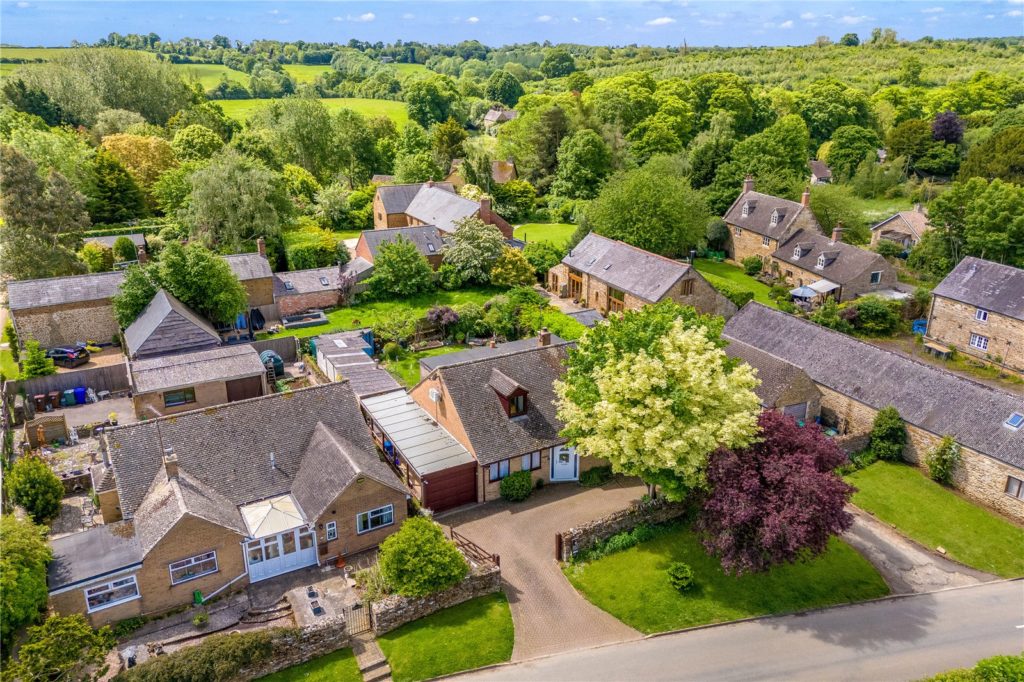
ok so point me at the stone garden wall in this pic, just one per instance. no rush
(293, 646)
(639, 512)
(395, 610)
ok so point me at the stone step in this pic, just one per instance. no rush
(381, 675)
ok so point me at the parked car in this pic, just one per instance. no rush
(69, 356)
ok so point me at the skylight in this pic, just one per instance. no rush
(288, 285)
(324, 281)
(430, 248)
(591, 261)
(1015, 421)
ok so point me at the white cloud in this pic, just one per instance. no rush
(408, 15)
(575, 20)
(788, 23)
(473, 20)
(933, 10)
(602, 20)
(1016, 2)
(1015, 13)
(807, 16)
(337, 18)
(283, 21)
(661, 21)
(545, 18)
(990, 16)
(273, 11)
(368, 16)
(709, 22)
(850, 20)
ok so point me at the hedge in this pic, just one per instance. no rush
(738, 296)
(218, 659)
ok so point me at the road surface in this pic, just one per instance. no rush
(894, 639)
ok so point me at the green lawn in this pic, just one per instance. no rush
(876, 210)
(209, 75)
(556, 233)
(937, 517)
(339, 666)
(419, 70)
(305, 73)
(473, 634)
(8, 367)
(633, 585)
(407, 369)
(241, 109)
(713, 272)
(301, 237)
(365, 314)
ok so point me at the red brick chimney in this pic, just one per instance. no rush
(544, 337)
(805, 198)
(261, 247)
(748, 184)
(141, 255)
(485, 209)
(837, 233)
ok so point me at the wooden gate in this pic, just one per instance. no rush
(357, 618)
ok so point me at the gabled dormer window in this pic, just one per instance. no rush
(775, 217)
(513, 395)
(746, 209)
(517, 405)
(797, 252)
(821, 261)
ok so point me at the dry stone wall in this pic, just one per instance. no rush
(395, 610)
(638, 513)
(294, 646)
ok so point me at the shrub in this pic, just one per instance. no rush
(448, 277)
(732, 292)
(200, 620)
(218, 659)
(994, 669)
(33, 485)
(888, 248)
(123, 628)
(23, 572)
(517, 487)
(36, 364)
(680, 576)
(621, 541)
(595, 477)
(419, 560)
(752, 265)
(62, 648)
(391, 351)
(943, 460)
(373, 583)
(11, 337)
(97, 257)
(828, 316)
(888, 435)
(875, 316)
(512, 269)
(124, 249)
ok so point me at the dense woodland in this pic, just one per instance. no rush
(643, 144)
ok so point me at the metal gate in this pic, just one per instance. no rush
(357, 618)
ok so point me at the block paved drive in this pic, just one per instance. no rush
(549, 615)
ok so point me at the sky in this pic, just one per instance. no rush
(668, 22)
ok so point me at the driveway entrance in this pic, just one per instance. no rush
(549, 615)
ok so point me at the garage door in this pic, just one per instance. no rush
(249, 387)
(798, 411)
(450, 488)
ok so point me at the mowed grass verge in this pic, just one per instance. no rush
(935, 516)
(339, 666)
(8, 367)
(723, 272)
(555, 233)
(475, 633)
(242, 109)
(633, 585)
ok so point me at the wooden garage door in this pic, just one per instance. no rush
(450, 488)
(249, 387)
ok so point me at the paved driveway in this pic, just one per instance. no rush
(549, 615)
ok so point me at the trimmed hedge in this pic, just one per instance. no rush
(738, 296)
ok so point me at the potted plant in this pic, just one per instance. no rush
(112, 418)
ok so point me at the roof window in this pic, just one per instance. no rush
(324, 281)
(431, 248)
(1015, 421)
(288, 285)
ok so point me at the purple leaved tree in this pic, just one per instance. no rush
(777, 500)
(948, 127)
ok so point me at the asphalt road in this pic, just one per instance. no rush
(896, 639)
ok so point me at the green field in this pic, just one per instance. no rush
(419, 70)
(723, 272)
(555, 233)
(937, 517)
(43, 53)
(305, 73)
(339, 666)
(471, 635)
(241, 109)
(633, 585)
(209, 75)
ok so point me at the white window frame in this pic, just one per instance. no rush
(530, 461)
(738, 231)
(1014, 487)
(331, 530)
(498, 470)
(798, 252)
(191, 561)
(821, 262)
(876, 277)
(775, 217)
(766, 241)
(981, 315)
(746, 209)
(110, 587)
(1016, 416)
(380, 512)
(982, 341)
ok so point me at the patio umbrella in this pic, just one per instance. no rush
(803, 292)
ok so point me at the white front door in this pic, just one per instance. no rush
(277, 554)
(565, 464)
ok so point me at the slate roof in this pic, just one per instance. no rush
(588, 317)
(248, 266)
(227, 448)
(844, 262)
(641, 273)
(493, 436)
(396, 198)
(820, 169)
(167, 325)
(500, 115)
(776, 374)
(992, 286)
(762, 206)
(351, 357)
(109, 240)
(437, 206)
(99, 551)
(926, 396)
(309, 281)
(330, 465)
(188, 369)
(915, 222)
(38, 293)
(480, 352)
(427, 238)
(381, 178)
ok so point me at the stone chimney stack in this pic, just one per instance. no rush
(261, 246)
(544, 337)
(805, 198)
(748, 184)
(430, 183)
(170, 464)
(837, 233)
(141, 255)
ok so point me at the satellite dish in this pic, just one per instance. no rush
(434, 395)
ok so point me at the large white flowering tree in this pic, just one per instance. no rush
(653, 393)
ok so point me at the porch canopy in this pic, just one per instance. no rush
(823, 286)
(272, 516)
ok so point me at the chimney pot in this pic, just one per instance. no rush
(837, 233)
(141, 255)
(748, 184)
(805, 198)
(544, 337)
(430, 183)
(261, 246)
(171, 464)
(493, 343)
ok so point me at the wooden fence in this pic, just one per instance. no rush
(285, 346)
(113, 378)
